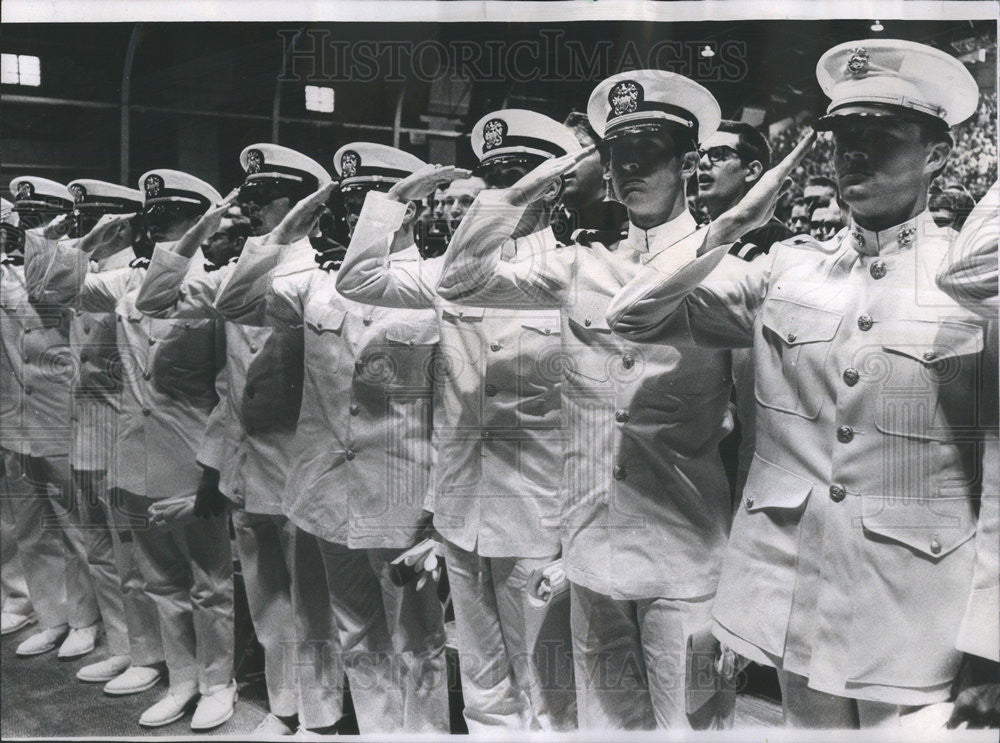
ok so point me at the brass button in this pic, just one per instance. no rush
(461, 313)
(628, 361)
(865, 322)
(367, 321)
(355, 409)
(491, 390)
(494, 346)
(319, 325)
(86, 329)
(547, 331)
(27, 330)
(147, 412)
(485, 434)
(851, 376)
(877, 269)
(27, 389)
(588, 322)
(147, 376)
(349, 454)
(618, 472)
(152, 341)
(837, 493)
(254, 348)
(845, 434)
(749, 501)
(929, 355)
(935, 546)
(622, 415)
(25, 358)
(791, 337)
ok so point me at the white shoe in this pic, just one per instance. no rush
(104, 670)
(42, 642)
(169, 709)
(80, 641)
(133, 680)
(215, 707)
(271, 727)
(12, 622)
(306, 734)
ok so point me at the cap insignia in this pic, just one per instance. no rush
(858, 62)
(493, 133)
(350, 161)
(255, 161)
(625, 97)
(153, 185)
(859, 238)
(25, 190)
(79, 192)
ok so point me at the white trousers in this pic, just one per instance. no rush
(514, 658)
(392, 642)
(187, 570)
(632, 661)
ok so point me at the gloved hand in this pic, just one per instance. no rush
(425, 527)
(209, 501)
(977, 702)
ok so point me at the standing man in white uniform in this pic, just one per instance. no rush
(500, 445)
(255, 453)
(360, 475)
(645, 512)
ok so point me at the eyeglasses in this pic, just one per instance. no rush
(719, 153)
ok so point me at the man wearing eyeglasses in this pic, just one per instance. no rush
(732, 160)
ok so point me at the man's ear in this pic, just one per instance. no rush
(937, 157)
(411, 212)
(754, 171)
(552, 192)
(689, 164)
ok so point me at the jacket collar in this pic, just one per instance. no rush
(892, 240)
(662, 236)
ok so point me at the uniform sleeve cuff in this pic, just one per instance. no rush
(165, 258)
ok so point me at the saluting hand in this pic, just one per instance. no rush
(301, 220)
(757, 207)
(205, 227)
(59, 227)
(423, 181)
(533, 184)
(111, 234)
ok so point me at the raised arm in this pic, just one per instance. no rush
(59, 272)
(243, 294)
(177, 286)
(718, 295)
(539, 276)
(369, 274)
(969, 273)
